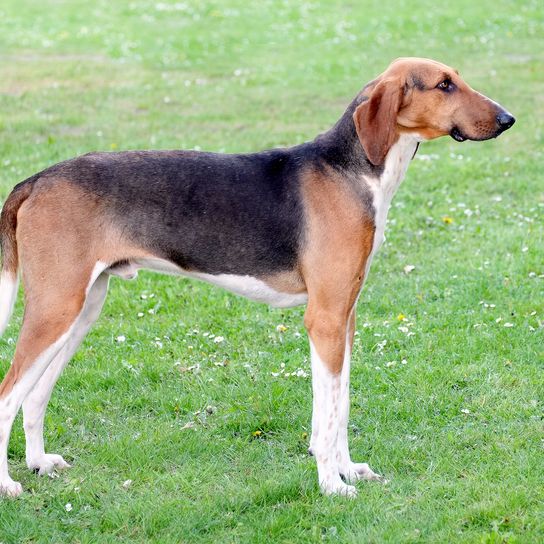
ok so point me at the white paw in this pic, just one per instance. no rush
(360, 471)
(9, 488)
(338, 488)
(47, 463)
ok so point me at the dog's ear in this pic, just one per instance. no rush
(376, 119)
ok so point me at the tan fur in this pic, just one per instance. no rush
(375, 119)
(405, 99)
(286, 282)
(61, 233)
(340, 237)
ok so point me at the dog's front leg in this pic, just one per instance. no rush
(350, 471)
(327, 332)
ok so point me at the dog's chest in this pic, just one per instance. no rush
(384, 188)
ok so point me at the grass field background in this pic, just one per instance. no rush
(176, 426)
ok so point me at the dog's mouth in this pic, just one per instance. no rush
(457, 135)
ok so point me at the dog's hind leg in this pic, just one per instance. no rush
(53, 305)
(35, 404)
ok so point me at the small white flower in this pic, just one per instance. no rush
(409, 268)
(127, 484)
(120, 338)
(218, 339)
(465, 411)
(140, 314)
(68, 507)
(509, 325)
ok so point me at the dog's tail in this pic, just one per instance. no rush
(9, 276)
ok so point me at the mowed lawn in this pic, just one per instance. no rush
(186, 412)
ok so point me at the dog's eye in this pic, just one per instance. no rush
(445, 85)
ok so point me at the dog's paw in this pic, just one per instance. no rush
(10, 488)
(338, 488)
(47, 464)
(360, 471)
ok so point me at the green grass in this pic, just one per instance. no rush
(458, 429)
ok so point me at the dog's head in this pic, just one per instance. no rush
(428, 99)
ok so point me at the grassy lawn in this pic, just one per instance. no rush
(175, 425)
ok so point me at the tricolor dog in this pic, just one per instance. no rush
(285, 226)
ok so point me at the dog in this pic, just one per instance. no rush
(284, 227)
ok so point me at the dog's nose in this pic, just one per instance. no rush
(505, 120)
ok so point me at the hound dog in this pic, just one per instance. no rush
(285, 226)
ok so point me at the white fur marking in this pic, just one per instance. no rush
(343, 456)
(246, 286)
(326, 390)
(352, 472)
(8, 295)
(384, 187)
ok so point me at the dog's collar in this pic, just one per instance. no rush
(415, 151)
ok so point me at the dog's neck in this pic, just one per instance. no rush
(396, 163)
(341, 148)
(384, 187)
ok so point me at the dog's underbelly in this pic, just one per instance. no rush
(246, 286)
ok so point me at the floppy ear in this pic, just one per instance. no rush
(376, 119)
